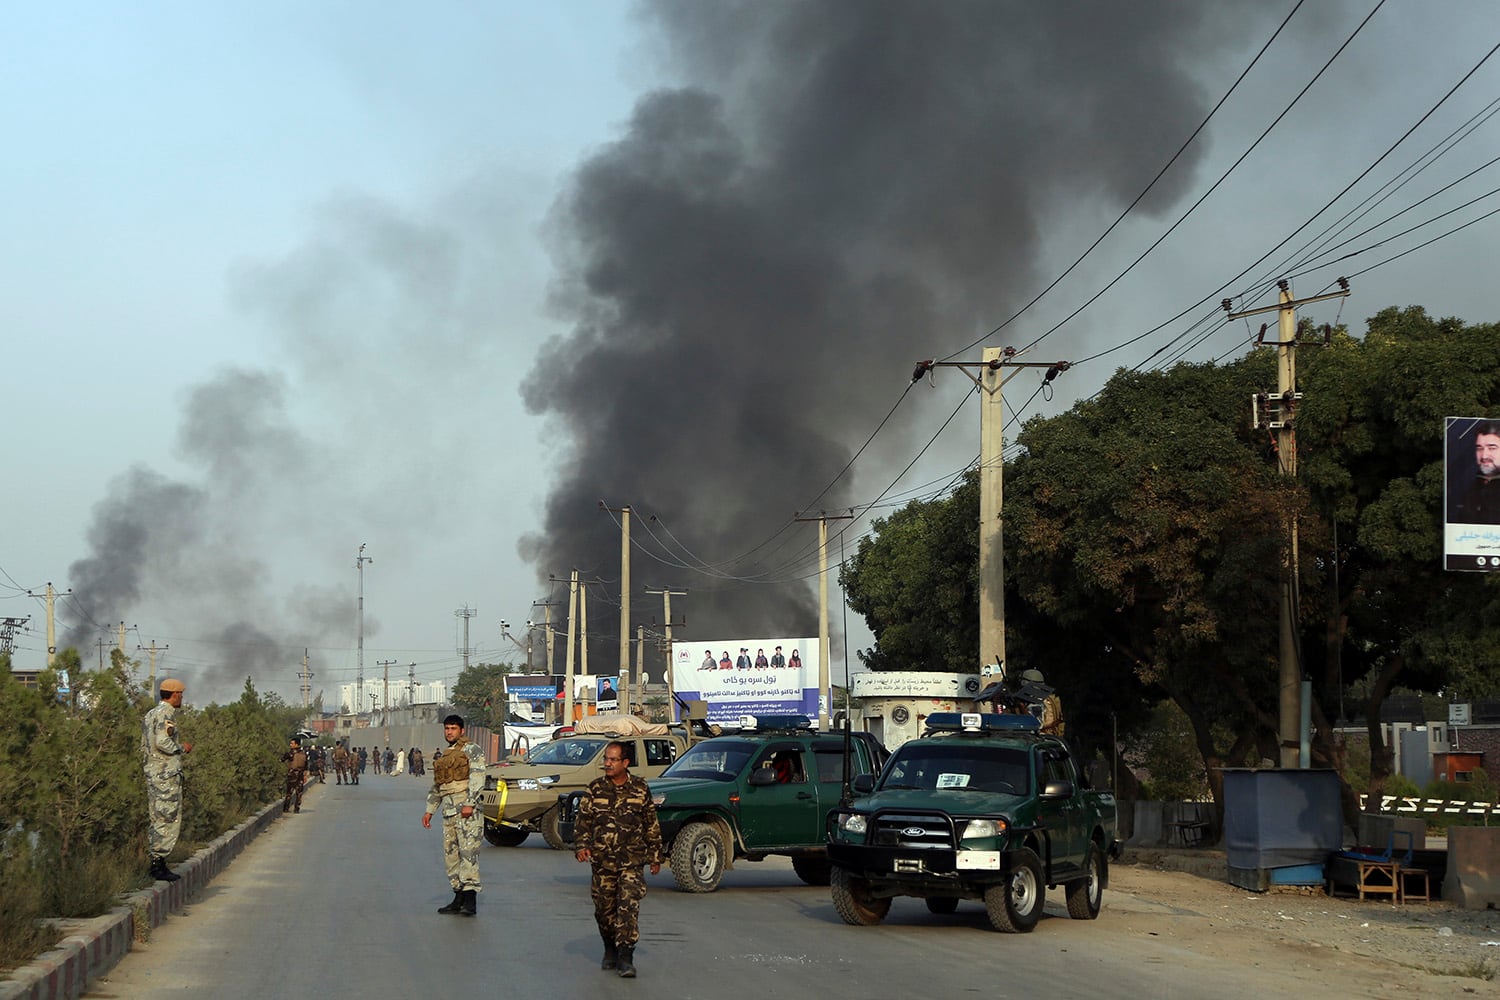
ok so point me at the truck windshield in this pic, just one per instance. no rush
(967, 766)
(720, 761)
(567, 751)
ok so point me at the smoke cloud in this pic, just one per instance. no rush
(836, 191)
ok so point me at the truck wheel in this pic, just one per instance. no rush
(1015, 905)
(942, 904)
(504, 836)
(1086, 894)
(698, 858)
(551, 832)
(813, 871)
(851, 897)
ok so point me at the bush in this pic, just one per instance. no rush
(22, 931)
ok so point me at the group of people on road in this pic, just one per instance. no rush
(617, 832)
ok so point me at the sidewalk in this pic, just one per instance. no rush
(90, 948)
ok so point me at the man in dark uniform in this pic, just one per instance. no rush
(295, 760)
(617, 832)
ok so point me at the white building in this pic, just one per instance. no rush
(402, 695)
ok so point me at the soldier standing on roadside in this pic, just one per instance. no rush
(340, 763)
(457, 781)
(296, 775)
(617, 833)
(163, 765)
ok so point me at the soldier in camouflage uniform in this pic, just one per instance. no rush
(162, 758)
(295, 760)
(617, 832)
(457, 781)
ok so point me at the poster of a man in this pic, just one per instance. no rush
(608, 699)
(1471, 530)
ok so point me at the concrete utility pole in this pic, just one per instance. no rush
(151, 652)
(359, 678)
(666, 614)
(825, 692)
(385, 700)
(990, 381)
(583, 629)
(640, 663)
(51, 606)
(624, 686)
(1280, 415)
(567, 719)
(306, 677)
(547, 632)
(465, 613)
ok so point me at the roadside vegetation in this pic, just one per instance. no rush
(74, 797)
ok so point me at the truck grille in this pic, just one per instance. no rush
(920, 831)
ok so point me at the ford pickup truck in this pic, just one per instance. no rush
(982, 807)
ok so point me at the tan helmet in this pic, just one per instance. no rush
(172, 685)
(1034, 676)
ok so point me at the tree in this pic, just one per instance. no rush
(915, 578)
(479, 693)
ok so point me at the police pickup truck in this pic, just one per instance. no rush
(982, 807)
(764, 790)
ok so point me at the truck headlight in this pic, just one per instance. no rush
(853, 823)
(983, 829)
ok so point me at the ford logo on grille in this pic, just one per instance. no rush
(913, 831)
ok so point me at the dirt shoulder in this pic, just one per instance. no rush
(1431, 948)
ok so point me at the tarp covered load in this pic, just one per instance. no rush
(619, 725)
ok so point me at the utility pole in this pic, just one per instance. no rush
(640, 664)
(624, 687)
(51, 606)
(666, 613)
(825, 693)
(465, 613)
(306, 676)
(385, 701)
(583, 629)
(1281, 412)
(359, 678)
(990, 381)
(411, 690)
(567, 719)
(548, 635)
(151, 652)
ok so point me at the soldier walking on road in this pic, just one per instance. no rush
(617, 832)
(296, 775)
(163, 764)
(340, 763)
(457, 781)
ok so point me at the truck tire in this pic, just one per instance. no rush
(550, 831)
(851, 897)
(698, 858)
(1085, 895)
(504, 836)
(1015, 905)
(813, 871)
(942, 904)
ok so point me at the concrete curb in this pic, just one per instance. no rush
(90, 948)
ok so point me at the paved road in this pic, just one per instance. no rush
(340, 901)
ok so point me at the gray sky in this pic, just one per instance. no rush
(284, 279)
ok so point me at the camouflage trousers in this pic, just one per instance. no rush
(164, 812)
(461, 839)
(294, 784)
(617, 904)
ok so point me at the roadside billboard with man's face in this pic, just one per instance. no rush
(1471, 523)
(775, 676)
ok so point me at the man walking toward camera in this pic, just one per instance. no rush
(162, 755)
(295, 760)
(617, 832)
(457, 781)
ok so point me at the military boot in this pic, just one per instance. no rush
(611, 956)
(625, 962)
(161, 872)
(457, 905)
(470, 903)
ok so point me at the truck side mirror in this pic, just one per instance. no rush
(762, 776)
(1057, 790)
(863, 784)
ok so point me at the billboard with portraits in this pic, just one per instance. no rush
(757, 676)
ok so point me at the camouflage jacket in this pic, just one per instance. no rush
(617, 824)
(160, 752)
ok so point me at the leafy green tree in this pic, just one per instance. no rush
(915, 579)
(479, 693)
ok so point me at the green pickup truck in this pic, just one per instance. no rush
(764, 790)
(981, 807)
